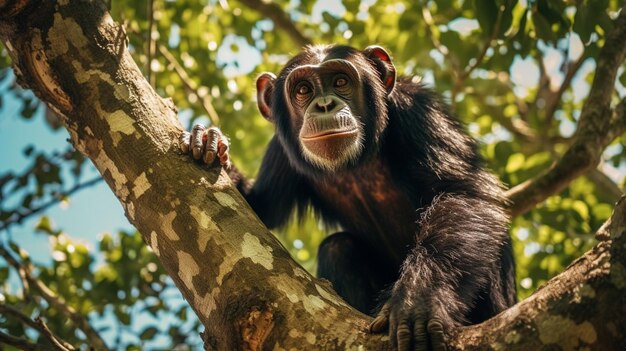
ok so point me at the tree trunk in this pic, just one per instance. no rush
(247, 291)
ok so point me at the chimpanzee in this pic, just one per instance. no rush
(424, 225)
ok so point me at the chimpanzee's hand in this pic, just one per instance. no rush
(206, 145)
(410, 322)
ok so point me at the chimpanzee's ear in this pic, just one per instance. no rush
(264, 89)
(383, 63)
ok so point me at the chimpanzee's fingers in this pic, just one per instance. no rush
(381, 322)
(210, 149)
(436, 335)
(420, 336)
(184, 142)
(403, 334)
(222, 152)
(197, 145)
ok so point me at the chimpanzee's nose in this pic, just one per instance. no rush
(325, 104)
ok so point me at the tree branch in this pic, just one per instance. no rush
(9, 311)
(280, 18)
(19, 217)
(58, 344)
(545, 318)
(19, 343)
(78, 319)
(597, 127)
(553, 99)
(207, 103)
(151, 44)
(38, 324)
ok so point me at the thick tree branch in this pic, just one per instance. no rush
(280, 19)
(592, 286)
(597, 127)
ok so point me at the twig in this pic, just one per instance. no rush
(37, 324)
(554, 98)
(481, 57)
(54, 340)
(20, 217)
(460, 78)
(597, 127)
(151, 52)
(517, 127)
(12, 312)
(54, 301)
(207, 103)
(19, 343)
(280, 19)
(428, 19)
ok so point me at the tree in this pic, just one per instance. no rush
(243, 286)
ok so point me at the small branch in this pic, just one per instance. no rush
(554, 98)
(19, 343)
(54, 340)
(518, 127)
(280, 19)
(18, 218)
(458, 84)
(38, 324)
(54, 301)
(9, 311)
(428, 19)
(151, 52)
(190, 85)
(597, 127)
(481, 57)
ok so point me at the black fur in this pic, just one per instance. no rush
(422, 219)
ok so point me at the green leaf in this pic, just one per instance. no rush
(148, 333)
(486, 13)
(581, 208)
(542, 27)
(515, 163)
(602, 211)
(44, 225)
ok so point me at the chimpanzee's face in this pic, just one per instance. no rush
(325, 103)
(320, 99)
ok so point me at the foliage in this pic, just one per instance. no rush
(515, 72)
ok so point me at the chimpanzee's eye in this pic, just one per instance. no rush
(340, 82)
(303, 89)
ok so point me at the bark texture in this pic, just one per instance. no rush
(246, 290)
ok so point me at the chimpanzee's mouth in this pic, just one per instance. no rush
(328, 134)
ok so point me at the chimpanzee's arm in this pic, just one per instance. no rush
(277, 188)
(458, 252)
